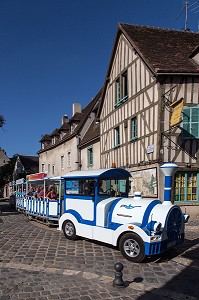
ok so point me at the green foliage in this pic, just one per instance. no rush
(6, 171)
(2, 121)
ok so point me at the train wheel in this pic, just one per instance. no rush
(132, 247)
(69, 230)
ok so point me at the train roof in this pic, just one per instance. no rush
(115, 173)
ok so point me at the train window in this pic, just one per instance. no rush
(80, 187)
(112, 187)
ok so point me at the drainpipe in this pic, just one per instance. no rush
(78, 136)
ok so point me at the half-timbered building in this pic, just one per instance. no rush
(152, 76)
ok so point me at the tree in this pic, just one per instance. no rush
(6, 171)
(2, 121)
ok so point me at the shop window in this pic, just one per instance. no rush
(187, 187)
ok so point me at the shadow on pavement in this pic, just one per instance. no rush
(182, 286)
(6, 209)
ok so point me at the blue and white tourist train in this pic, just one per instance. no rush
(94, 204)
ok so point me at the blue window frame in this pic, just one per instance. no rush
(134, 128)
(121, 89)
(190, 123)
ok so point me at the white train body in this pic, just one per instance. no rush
(140, 227)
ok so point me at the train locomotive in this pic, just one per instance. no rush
(96, 205)
(139, 227)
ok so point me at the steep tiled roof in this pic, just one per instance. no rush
(30, 163)
(55, 132)
(76, 117)
(92, 133)
(45, 138)
(65, 127)
(164, 50)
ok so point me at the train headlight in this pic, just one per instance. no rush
(157, 226)
(154, 226)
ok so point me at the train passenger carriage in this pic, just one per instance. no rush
(33, 199)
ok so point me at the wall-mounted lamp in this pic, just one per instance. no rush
(97, 121)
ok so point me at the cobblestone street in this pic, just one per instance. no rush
(38, 262)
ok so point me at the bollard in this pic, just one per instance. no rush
(118, 281)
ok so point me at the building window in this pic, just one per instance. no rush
(190, 123)
(53, 140)
(48, 168)
(117, 90)
(124, 84)
(42, 167)
(62, 162)
(121, 89)
(53, 169)
(80, 187)
(187, 187)
(90, 156)
(134, 128)
(117, 136)
(69, 159)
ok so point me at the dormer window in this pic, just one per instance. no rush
(62, 135)
(73, 126)
(53, 140)
(195, 55)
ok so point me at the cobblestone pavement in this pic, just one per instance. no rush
(38, 262)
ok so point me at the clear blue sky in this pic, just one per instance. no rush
(56, 52)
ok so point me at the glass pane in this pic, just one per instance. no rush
(186, 115)
(194, 129)
(195, 114)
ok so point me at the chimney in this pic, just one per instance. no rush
(64, 119)
(168, 170)
(76, 108)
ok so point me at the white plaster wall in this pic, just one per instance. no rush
(53, 157)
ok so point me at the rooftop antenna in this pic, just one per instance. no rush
(195, 9)
(186, 7)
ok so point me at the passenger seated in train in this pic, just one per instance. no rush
(19, 193)
(42, 194)
(52, 195)
(37, 191)
(30, 192)
(88, 187)
(100, 188)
